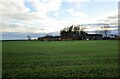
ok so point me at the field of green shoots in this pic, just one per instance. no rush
(59, 59)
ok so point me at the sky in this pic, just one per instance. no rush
(20, 18)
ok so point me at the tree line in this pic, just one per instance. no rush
(79, 30)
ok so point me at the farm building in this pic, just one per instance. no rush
(94, 36)
(86, 37)
(49, 38)
(67, 38)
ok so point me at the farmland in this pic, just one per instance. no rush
(36, 59)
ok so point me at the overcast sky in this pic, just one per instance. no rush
(22, 17)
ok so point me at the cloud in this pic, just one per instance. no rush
(45, 6)
(76, 13)
(91, 0)
(12, 6)
(18, 17)
(17, 14)
(109, 18)
(77, 1)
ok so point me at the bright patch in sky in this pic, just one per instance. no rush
(49, 16)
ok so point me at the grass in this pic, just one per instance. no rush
(28, 59)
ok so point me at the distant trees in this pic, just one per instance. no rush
(73, 31)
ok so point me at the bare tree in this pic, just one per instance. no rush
(105, 30)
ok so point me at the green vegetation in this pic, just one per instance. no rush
(28, 59)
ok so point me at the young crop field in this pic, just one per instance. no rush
(59, 59)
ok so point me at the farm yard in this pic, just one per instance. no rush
(58, 59)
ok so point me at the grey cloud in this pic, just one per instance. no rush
(112, 17)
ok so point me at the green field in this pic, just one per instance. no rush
(28, 59)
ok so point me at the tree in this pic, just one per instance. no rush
(106, 30)
(82, 31)
(29, 37)
(70, 31)
(74, 31)
(64, 32)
